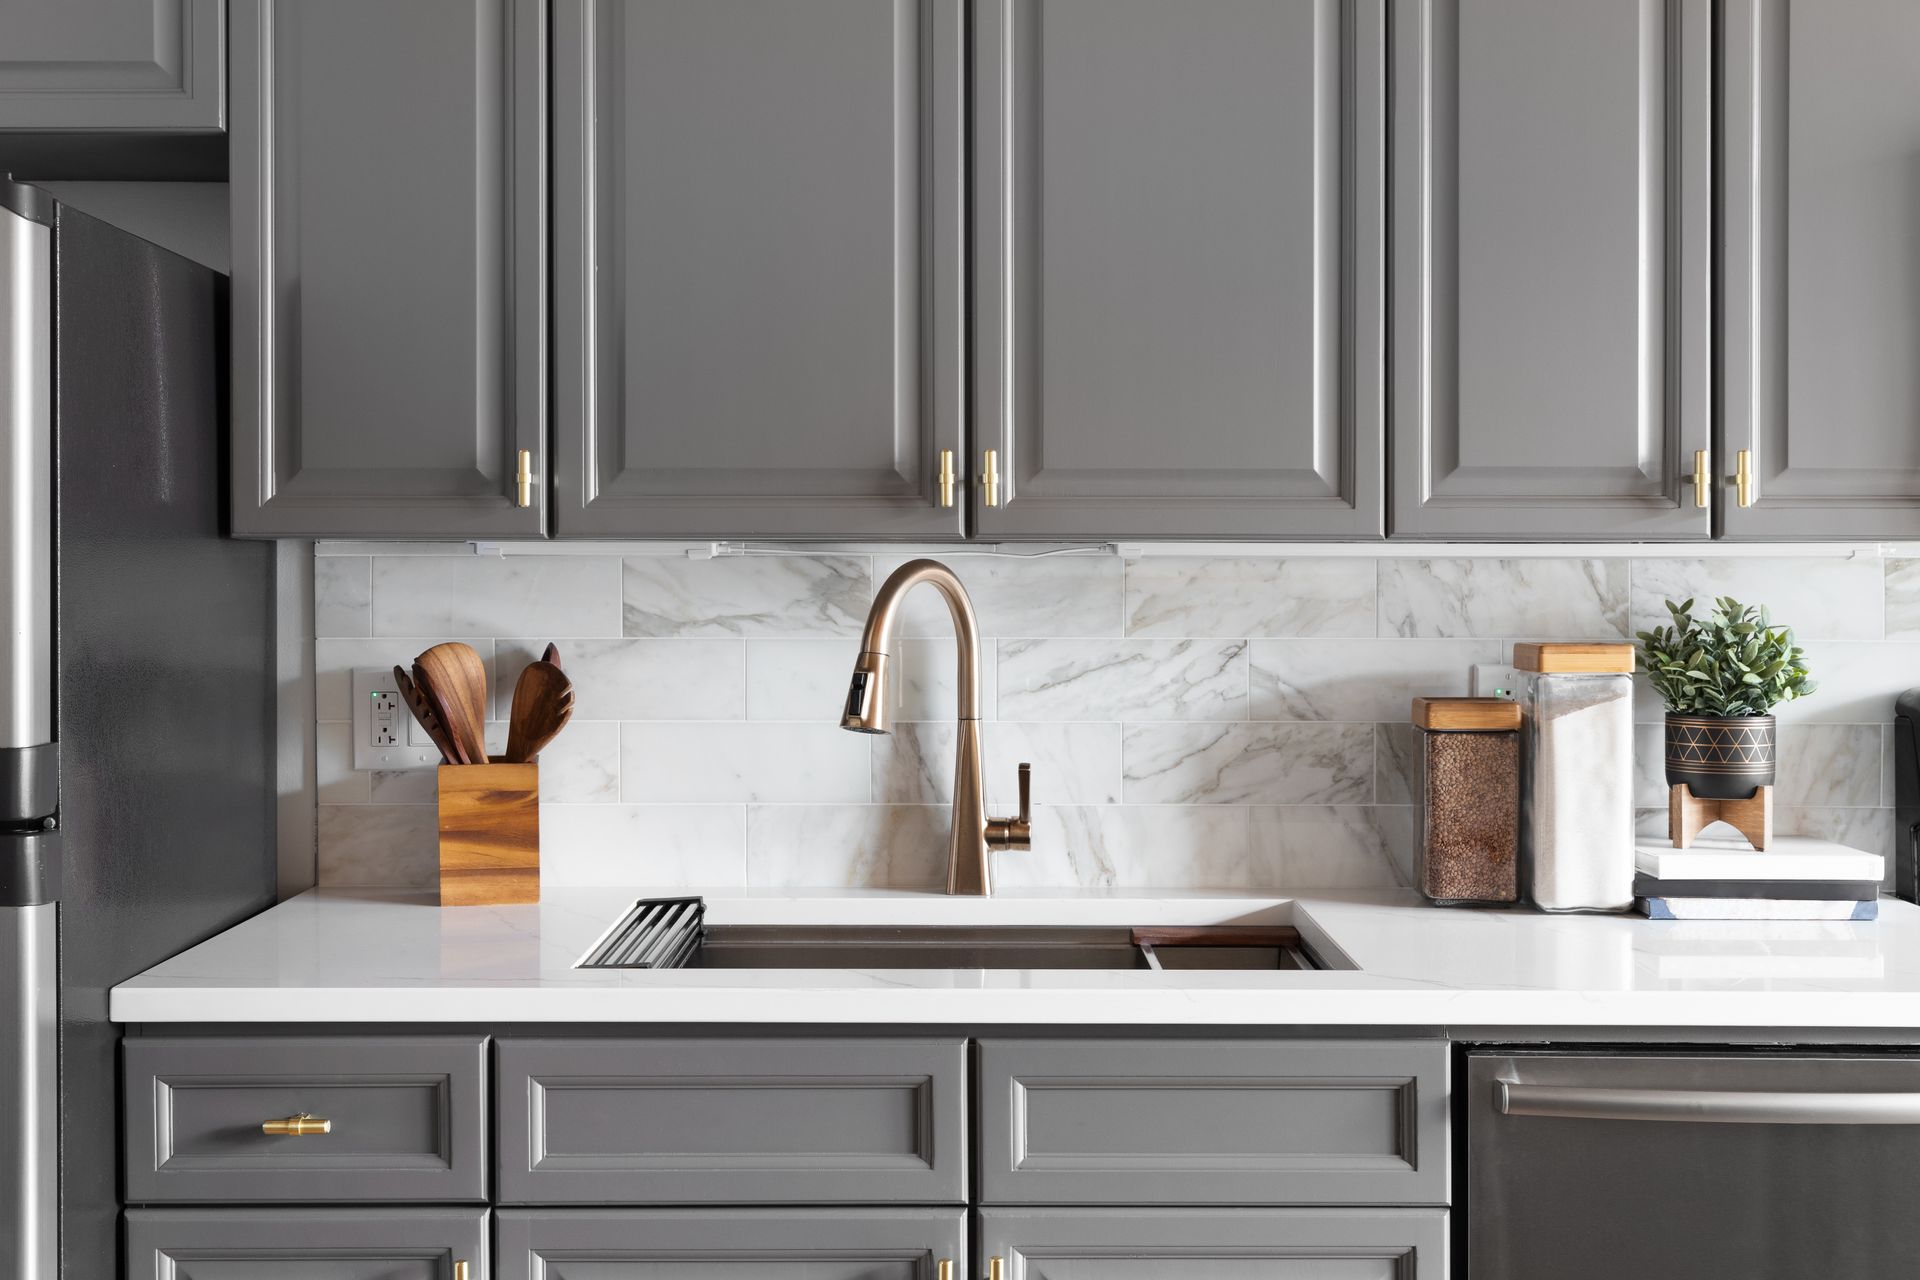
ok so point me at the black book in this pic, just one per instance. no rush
(1646, 886)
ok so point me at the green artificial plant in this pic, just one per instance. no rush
(1731, 662)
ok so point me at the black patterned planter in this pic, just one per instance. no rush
(1720, 757)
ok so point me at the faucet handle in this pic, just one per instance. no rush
(1017, 832)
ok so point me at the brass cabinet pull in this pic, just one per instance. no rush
(1742, 477)
(945, 1268)
(523, 478)
(461, 1270)
(946, 477)
(297, 1126)
(995, 1268)
(1702, 478)
(990, 476)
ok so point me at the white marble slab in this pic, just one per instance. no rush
(1212, 596)
(1248, 764)
(1359, 680)
(772, 595)
(638, 679)
(1820, 597)
(1521, 599)
(745, 762)
(496, 596)
(1123, 680)
(1070, 595)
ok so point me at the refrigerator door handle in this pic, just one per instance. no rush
(27, 789)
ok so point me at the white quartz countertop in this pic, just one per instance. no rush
(385, 957)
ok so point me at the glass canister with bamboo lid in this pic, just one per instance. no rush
(1470, 810)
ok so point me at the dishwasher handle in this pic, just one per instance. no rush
(1703, 1106)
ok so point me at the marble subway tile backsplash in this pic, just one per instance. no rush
(1193, 721)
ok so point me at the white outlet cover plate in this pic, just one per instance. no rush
(413, 750)
(1494, 680)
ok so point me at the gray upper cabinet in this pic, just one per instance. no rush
(1821, 182)
(1551, 252)
(389, 267)
(757, 245)
(114, 65)
(1178, 268)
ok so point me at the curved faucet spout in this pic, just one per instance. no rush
(881, 619)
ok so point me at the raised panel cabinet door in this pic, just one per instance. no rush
(389, 268)
(1178, 254)
(1551, 258)
(726, 1244)
(757, 244)
(1217, 1244)
(114, 65)
(1821, 268)
(305, 1244)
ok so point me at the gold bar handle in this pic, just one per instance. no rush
(995, 1268)
(945, 1268)
(1742, 477)
(1702, 478)
(523, 479)
(462, 1270)
(946, 477)
(990, 476)
(297, 1126)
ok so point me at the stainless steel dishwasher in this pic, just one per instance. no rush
(1761, 1165)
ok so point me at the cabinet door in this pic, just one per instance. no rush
(721, 1244)
(1178, 245)
(1217, 1244)
(1551, 254)
(117, 65)
(757, 295)
(305, 1244)
(389, 248)
(1821, 176)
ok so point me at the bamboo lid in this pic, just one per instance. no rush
(1466, 715)
(1574, 659)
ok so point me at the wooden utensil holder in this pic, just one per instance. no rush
(489, 834)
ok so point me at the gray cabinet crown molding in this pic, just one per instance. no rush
(1552, 244)
(758, 297)
(1184, 337)
(389, 250)
(130, 66)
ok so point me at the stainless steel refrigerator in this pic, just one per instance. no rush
(136, 692)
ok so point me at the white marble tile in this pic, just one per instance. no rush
(1858, 683)
(1183, 596)
(1871, 829)
(1649, 766)
(405, 786)
(1334, 847)
(769, 595)
(1820, 597)
(335, 780)
(799, 679)
(650, 845)
(1400, 764)
(379, 846)
(1031, 596)
(924, 680)
(638, 679)
(1359, 680)
(548, 596)
(771, 763)
(582, 765)
(1072, 763)
(1131, 846)
(1248, 764)
(848, 846)
(1123, 680)
(335, 661)
(1525, 599)
(342, 596)
(1827, 765)
(1902, 586)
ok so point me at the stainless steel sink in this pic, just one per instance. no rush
(784, 947)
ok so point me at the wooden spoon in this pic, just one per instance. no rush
(455, 682)
(542, 705)
(551, 655)
(417, 703)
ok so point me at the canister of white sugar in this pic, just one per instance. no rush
(1576, 823)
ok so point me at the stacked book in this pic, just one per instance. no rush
(1795, 878)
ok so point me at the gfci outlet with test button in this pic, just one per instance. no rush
(385, 734)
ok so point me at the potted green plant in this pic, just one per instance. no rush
(1721, 675)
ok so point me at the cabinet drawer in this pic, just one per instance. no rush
(311, 1244)
(1218, 1244)
(732, 1121)
(1213, 1122)
(730, 1244)
(407, 1119)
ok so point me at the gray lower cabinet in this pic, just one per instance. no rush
(1551, 251)
(775, 1121)
(113, 65)
(758, 307)
(1213, 1122)
(389, 194)
(720, 1244)
(1178, 268)
(1820, 109)
(1217, 1244)
(305, 1244)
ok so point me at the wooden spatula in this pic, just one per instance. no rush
(417, 703)
(542, 705)
(455, 681)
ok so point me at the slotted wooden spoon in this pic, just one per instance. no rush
(423, 712)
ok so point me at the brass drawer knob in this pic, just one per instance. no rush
(946, 477)
(299, 1126)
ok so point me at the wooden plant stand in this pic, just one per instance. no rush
(1688, 814)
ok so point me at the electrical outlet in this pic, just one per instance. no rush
(1494, 680)
(385, 734)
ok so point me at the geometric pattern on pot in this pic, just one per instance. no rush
(1709, 743)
